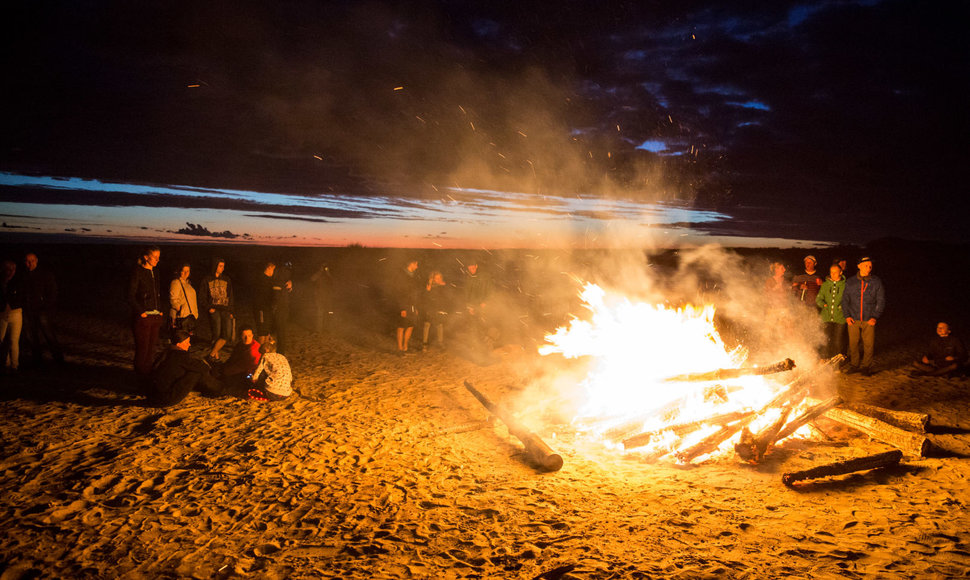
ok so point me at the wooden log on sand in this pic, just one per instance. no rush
(754, 446)
(886, 459)
(912, 444)
(915, 422)
(537, 452)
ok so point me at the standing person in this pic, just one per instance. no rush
(775, 287)
(946, 354)
(218, 300)
(406, 292)
(283, 296)
(40, 303)
(11, 315)
(184, 311)
(322, 296)
(863, 302)
(477, 289)
(434, 309)
(146, 313)
(829, 299)
(270, 304)
(807, 284)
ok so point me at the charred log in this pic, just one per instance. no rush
(877, 461)
(641, 439)
(537, 452)
(754, 446)
(712, 442)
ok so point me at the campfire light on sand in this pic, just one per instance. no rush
(634, 348)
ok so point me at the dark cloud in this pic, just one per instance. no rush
(843, 119)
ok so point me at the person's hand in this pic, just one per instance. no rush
(926, 360)
(144, 315)
(404, 314)
(872, 322)
(211, 310)
(849, 321)
(949, 358)
(289, 284)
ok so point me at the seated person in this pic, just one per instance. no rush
(272, 378)
(238, 369)
(946, 354)
(177, 374)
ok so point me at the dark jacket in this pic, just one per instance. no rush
(175, 376)
(143, 291)
(217, 293)
(12, 293)
(40, 290)
(944, 346)
(864, 298)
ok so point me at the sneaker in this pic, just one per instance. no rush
(868, 372)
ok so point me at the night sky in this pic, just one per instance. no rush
(829, 121)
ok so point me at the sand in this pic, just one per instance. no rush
(382, 467)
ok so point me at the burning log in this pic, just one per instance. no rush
(668, 411)
(536, 451)
(796, 388)
(843, 467)
(753, 447)
(808, 416)
(912, 444)
(641, 439)
(915, 422)
(724, 374)
(712, 442)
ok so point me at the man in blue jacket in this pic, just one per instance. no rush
(863, 301)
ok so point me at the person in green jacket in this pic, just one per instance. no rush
(829, 299)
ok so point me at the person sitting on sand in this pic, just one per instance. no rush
(946, 354)
(272, 378)
(242, 363)
(177, 374)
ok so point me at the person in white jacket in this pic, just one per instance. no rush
(184, 309)
(272, 378)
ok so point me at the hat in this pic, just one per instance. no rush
(863, 259)
(811, 257)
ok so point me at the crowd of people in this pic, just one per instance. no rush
(848, 309)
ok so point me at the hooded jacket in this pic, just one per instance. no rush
(829, 299)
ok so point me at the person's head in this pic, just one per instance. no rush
(9, 269)
(943, 329)
(246, 334)
(220, 267)
(270, 268)
(472, 268)
(810, 262)
(267, 344)
(835, 272)
(777, 269)
(150, 256)
(30, 260)
(865, 266)
(182, 339)
(437, 279)
(842, 262)
(185, 271)
(412, 265)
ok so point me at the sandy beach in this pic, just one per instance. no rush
(381, 467)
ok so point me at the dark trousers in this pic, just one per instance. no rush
(39, 331)
(834, 339)
(145, 330)
(166, 395)
(220, 325)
